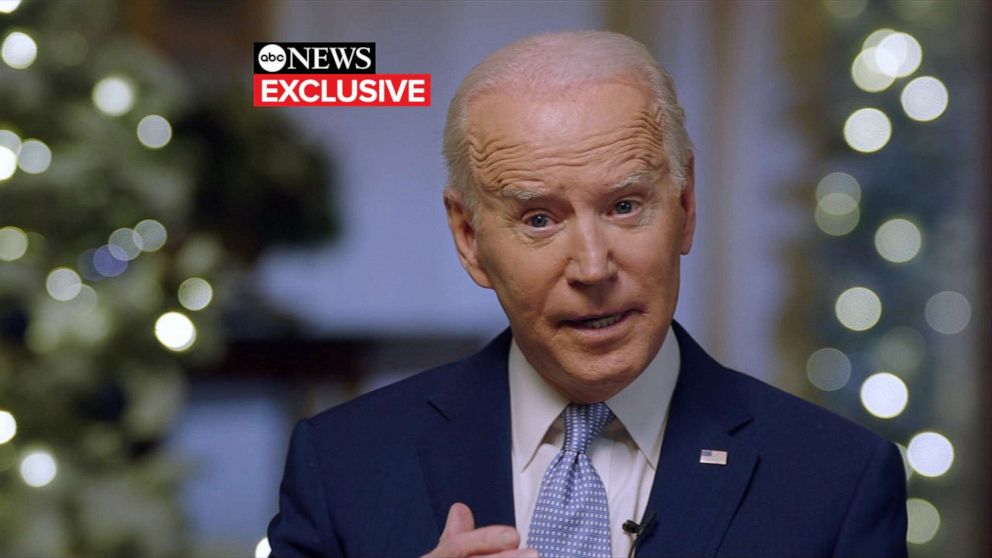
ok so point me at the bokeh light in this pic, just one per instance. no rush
(930, 454)
(262, 549)
(901, 48)
(107, 264)
(924, 521)
(153, 235)
(38, 468)
(63, 284)
(35, 157)
(114, 95)
(19, 50)
(948, 312)
(8, 162)
(8, 427)
(858, 308)
(884, 395)
(13, 243)
(898, 240)
(10, 140)
(175, 331)
(845, 9)
(8, 6)
(901, 348)
(866, 73)
(924, 99)
(154, 131)
(195, 293)
(828, 369)
(867, 130)
(124, 244)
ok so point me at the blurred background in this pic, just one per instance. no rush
(183, 276)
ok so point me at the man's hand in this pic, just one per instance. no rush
(461, 539)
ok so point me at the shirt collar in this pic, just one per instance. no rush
(641, 407)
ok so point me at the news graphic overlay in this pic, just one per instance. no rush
(331, 75)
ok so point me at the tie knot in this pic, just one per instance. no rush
(583, 423)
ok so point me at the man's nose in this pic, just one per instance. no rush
(590, 258)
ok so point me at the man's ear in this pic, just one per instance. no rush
(688, 200)
(462, 230)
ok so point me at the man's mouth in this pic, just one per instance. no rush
(597, 322)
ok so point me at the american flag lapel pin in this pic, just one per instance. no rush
(713, 457)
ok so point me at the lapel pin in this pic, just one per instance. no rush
(713, 457)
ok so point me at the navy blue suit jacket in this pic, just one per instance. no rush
(376, 476)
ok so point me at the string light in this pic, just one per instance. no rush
(195, 293)
(262, 549)
(8, 427)
(898, 240)
(13, 243)
(19, 50)
(858, 308)
(35, 157)
(8, 6)
(867, 130)
(114, 95)
(948, 312)
(924, 99)
(154, 131)
(884, 395)
(38, 468)
(931, 454)
(175, 331)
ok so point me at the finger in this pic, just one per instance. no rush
(479, 542)
(459, 520)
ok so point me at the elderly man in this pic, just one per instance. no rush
(594, 426)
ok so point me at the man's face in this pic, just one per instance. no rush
(579, 231)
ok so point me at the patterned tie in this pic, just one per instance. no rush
(572, 517)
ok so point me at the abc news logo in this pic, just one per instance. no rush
(315, 58)
(331, 75)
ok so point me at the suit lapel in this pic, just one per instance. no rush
(695, 502)
(467, 457)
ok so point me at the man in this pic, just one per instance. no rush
(595, 426)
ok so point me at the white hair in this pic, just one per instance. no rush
(555, 62)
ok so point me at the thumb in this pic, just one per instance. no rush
(460, 520)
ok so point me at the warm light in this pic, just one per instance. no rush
(904, 52)
(898, 240)
(884, 395)
(924, 521)
(845, 9)
(175, 331)
(114, 95)
(38, 468)
(948, 312)
(8, 6)
(263, 550)
(19, 50)
(195, 293)
(8, 162)
(63, 284)
(924, 98)
(152, 233)
(8, 427)
(867, 74)
(154, 131)
(901, 349)
(124, 244)
(13, 243)
(35, 157)
(11, 141)
(858, 308)
(876, 37)
(930, 454)
(828, 369)
(833, 224)
(867, 130)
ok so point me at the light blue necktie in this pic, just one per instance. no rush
(572, 517)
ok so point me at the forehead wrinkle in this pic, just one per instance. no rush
(498, 162)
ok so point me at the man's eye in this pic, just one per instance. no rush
(625, 206)
(539, 221)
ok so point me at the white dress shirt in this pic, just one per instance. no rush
(625, 455)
